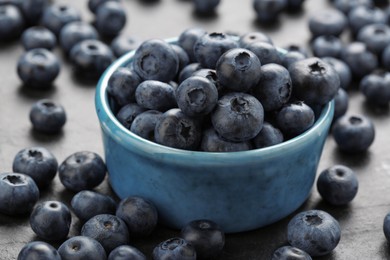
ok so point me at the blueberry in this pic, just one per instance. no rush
(238, 69)
(33, 9)
(238, 116)
(342, 69)
(156, 60)
(126, 253)
(251, 37)
(90, 58)
(327, 46)
(338, 185)
(121, 44)
(209, 47)
(375, 36)
(353, 133)
(188, 71)
(298, 48)
(110, 18)
(128, 113)
(341, 102)
(94, 4)
(205, 6)
(38, 163)
(122, 85)
(196, 96)
(144, 124)
(51, 220)
(157, 95)
(38, 68)
(139, 214)
(327, 22)
(75, 32)
(266, 52)
(376, 88)
(182, 56)
(386, 226)
(290, 57)
(295, 118)
(212, 142)
(212, 76)
(82, 171)
(205, 236)
(109, 230)
(188, 38)
(47, 116)
(55, 16)
(38, 37)
(295, 5)
(268, 136)
(18, 194)
(347, 5)
(174, 248)
(268, 11)
(314, 231)
(290, 253)
(363, 15)
(87, 204)
(38, 250)
(80, 248)
(177, 130)
(314, 81)
(274, 87)
(11, 22)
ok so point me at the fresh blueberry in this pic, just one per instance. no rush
(18, 193)
(314, 231)
(38, 250)
(386, 226)
(80, 248)
(290, 253)
(290, 57)
(126, 252)
(156, 60)
(121, 44)
(338, 185)
(38, 163)
(188, 71)
(268, 136)
(33, 9)
(362, 15)
(268, 11)
(353, 133)
(175, 129)
(251, 37)
(38, 37)
(375, 36)
(87, 204)
(144, 124)
(139, 214)
(347, 5)
(376, 87)
(47, 116)
(55, 16)
(182, 56)
(128, 113)
(94, 4)
(75, 32)
(266, 52)
(122, 85)
(342, 69)
(174, 248)
(209, 47)
(90, 58)
(295, 5)
(11, 22)
(238, 69)
(341, 102)
(110, 18)
(327, 46)
(327, 22)
(205, 236)
(211, 75)
(187, 40)
(238, 116)
(314, 81)
(212, 142)
(274, 87)
(82, 171)
(205, 7)
(109, 230)
(38, 68)
(51, 220)
(196, 96)
(157, 95)
(295, 118)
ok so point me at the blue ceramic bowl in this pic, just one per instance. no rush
(238, 190)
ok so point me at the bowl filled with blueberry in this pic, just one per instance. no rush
(212, 126)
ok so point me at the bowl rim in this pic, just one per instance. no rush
(117, 131)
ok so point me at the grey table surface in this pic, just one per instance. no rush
(361, 221)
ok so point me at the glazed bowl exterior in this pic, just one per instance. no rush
(238, 190)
